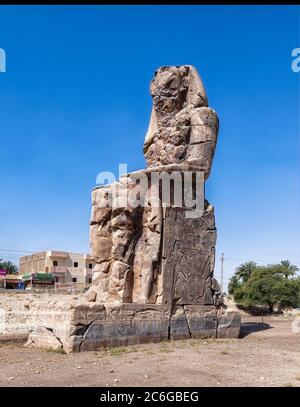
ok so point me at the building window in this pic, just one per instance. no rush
(89, 281)
(75, 264)
(90, 266)
(54, 263)
(74, 280)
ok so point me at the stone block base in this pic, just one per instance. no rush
(92, 326)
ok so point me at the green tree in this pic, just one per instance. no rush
(288, 269)
(10, 267)
(239, 293)
(244, 271)
(233, 284)
(268, 287)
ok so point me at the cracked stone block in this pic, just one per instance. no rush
(179, 328)
(127, 324)
(202, 321)
(193, 322)
(91, 326)
(229, 325)
(202, 326)
(45, 338)
(86, 313)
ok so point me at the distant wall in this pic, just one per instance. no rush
(33, 264)
(18, 311)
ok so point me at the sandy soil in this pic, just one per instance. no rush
(264, 356)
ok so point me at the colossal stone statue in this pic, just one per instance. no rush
(152, 253)
(153, 237)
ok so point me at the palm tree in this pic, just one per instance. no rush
(243, 272)
(234, 283)
(287, 268)
(10, 267)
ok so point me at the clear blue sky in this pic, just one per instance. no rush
(75, 101)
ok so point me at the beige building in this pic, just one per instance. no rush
(65, 267)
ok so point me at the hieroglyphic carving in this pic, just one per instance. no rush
(188, 257)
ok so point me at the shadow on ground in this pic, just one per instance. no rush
(248, 328)
(255, 310)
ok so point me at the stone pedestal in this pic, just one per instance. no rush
(92, 326)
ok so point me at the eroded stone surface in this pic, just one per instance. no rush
(127, 241)
(189, 257)
(92, 326)
(229, 325)
(45, 338)
(182, 127)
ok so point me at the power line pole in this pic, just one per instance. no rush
(222, 258)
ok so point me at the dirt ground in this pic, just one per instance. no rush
(265, 355)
